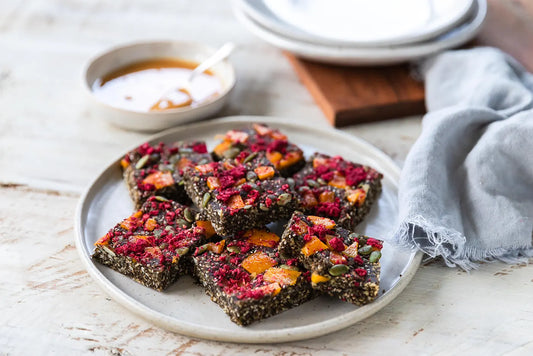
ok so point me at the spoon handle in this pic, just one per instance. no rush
(219, 55)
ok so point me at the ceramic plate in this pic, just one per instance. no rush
(359, 22)
(345, 55)
(184, 307)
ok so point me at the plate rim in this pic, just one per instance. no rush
(365, 55)
(262, 14)
(249, 336)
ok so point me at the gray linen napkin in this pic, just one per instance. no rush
(466, 190)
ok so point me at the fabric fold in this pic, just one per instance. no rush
(466, 189)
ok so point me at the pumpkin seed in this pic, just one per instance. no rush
(290, 182)
(337, 270)
(292, 268)
(247, 207)
(321, 181)
(157, 232)
(284, 199)
(353, 235)
(202, 161)
(182, 251)
(233, 249)
(251, 176)
(142, 162)
(312, 183)
(303, 188)
(182, 223)
(188, 214)
(231, 152)
(181, 182)
(205, 199)
(163, 246)
(166, 168)
(168, 228)
(365, 250)
(160, 198)
(185, 150)
(272, 197)
(374, 256)
(250, 157)
(202, 249)
(263, 207)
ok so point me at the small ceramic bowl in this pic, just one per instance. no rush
(118, 57)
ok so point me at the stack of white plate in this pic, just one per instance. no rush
(363, 32)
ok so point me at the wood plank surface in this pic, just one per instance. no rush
(352, 95)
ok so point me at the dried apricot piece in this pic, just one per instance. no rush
(235, 202)
(159, 179)
(150, 224)
(338, 181)
(264, 172)
(325, 222)
(290, 159)
(356, 197)
(313, 246)
(274, 157)
(221, 148)
(285, 277)
(213, 183)
(308, 199)
(207, 226)
(258, 262)
(317, 278)
(262, 238)
(326, 196)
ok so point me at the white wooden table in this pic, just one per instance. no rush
(52, 145)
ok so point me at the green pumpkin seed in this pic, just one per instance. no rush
(202, 161)
(272, 197)
(321, 181)
(290, 182)
(182, 251)
(312, 183)
(231, 152)
(185, 150)
(163, 246)
(168, 228)
(233, 249)
(365, 250)
(202, 249)
(247, 207)
(263, 207)
(160, 198)
(205, 199)
(182, 222)
(251, 176)
(250, 157)
(292, 268)
(374, 256)
(353, 235)
(157, 232)
(337, 270)
(303, 188)
(188, 214)
(181, 182)
(284, 199)
(142, 162)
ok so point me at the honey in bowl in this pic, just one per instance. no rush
(156, 85)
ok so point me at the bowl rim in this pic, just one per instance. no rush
(164, 113)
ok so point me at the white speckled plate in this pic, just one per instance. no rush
(184, 307)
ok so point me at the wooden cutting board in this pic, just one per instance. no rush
(351, 95)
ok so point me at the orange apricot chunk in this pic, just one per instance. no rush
(290, 159)
(313, 246)
(260, 237)
(325, 222)
(274, 157)
(258, 262)
(150, 224)
(316, 278)
(308, 199)
(235, 202)
(285, 277)
(213, 183)
(159, 179)
(207, 226)
(338, 181)
(264, 172)
(352, 250)
(326, 197)
(356, 197)
(222, 147)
